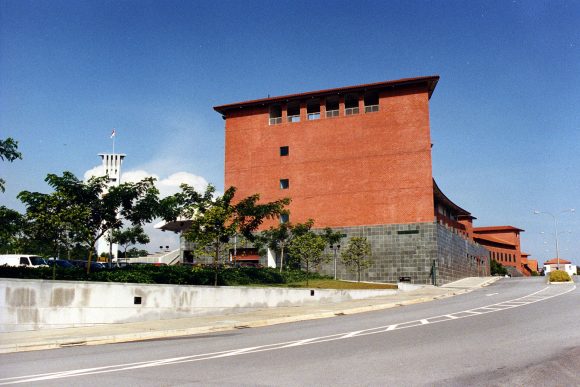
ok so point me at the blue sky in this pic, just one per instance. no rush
(505, 117)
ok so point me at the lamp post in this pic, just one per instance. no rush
(537, 212)
(335, 248)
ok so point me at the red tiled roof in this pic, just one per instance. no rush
(430, 80)
(493, 239)
(554, 261)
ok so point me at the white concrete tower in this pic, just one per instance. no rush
(111, 167)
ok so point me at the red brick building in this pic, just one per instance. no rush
(503, 243)
(357, 159)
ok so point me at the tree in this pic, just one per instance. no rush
(129, 237)
(497, 268)
(134, 252)
(9, 152)
(88, 210)
(277, 238)
(12, 226)
(214, 222)
(308, 249)
(357, 255)
(332, 237)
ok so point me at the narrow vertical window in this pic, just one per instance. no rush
(284, 151)
(284, 218)
(350, 104)
(275, 114)
(371, 99)
(293, 112)
(284, 183)
(313, 110)
(332, 106)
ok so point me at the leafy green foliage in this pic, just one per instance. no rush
(357, 255)
(497, 268)
(308, 250)
(128, 237)
(278, 238)
(9, 152)
(151, 274)
(215, 222)
(559, 276)
(82, 212)
(12, 225)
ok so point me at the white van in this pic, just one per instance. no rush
(22, 260)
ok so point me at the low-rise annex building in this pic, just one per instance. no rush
(560, 264)
(356, 159)
(503, 243)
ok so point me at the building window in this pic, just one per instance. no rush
(284, 183)
(371, 102)
(294, 112)
(313, 110)
(332, 104)
(350, 104)
(284, 151)
(275, 114)
(284, 218)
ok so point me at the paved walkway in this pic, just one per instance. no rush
(118, 333)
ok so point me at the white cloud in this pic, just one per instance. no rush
(171, 184)
(136, 175)
(167, 185)
(94, 172)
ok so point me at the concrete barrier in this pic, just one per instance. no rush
(39, 304)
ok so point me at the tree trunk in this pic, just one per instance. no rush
(89, 260)
(358, 270)
(215, 264)
(281, 256)
(307, 273)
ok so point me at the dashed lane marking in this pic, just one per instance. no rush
(515, 303)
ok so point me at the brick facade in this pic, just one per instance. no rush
(356, 159)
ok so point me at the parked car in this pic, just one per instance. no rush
(83, 264)
(60, 263)
(22, 260)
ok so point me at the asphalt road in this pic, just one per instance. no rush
(514, 332)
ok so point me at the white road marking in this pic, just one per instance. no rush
(491, 294)
(531, 298)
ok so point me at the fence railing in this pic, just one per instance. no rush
(371, 108)
(275, 120)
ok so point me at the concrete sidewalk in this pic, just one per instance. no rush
(118, 333)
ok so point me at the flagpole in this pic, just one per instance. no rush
(114, 135)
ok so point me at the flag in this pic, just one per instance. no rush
(113, 133)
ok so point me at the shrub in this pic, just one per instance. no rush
(497, 268)
(559, 276)
(151, 274)
(535, 274)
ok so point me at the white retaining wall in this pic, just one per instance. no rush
(39, 304)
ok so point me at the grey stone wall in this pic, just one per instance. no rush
(458, 258)
(406, 250)
(411, 250)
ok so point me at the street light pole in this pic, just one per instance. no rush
(536, 212)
